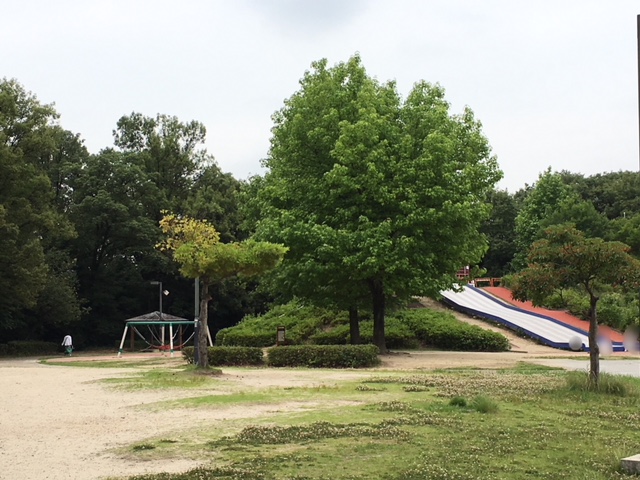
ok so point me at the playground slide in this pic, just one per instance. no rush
(546, 330)
(563, 316)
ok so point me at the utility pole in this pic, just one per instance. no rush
(196, 343)
(638, 31)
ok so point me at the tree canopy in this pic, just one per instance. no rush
(372, 191)
(195, 245)
(34, 260)
(379, 197)
(566, 258)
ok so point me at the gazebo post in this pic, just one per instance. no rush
(209, 336)
(124, 335)
(132, 340)
(171, 338)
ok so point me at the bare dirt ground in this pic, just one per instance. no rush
(61, 423)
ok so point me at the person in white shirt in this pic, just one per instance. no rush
(67, 343)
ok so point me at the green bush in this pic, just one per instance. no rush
(577, 303)
(615, 309)
(324, 356)
(442, 330)
(301, 322)
(243, 338)
(405, 329)
(339, 335)
(397, 333)
(458, 402)
(28, 348)
(484, 404)
(616, 385)
(228, 356)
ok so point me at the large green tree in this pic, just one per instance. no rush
(114, 210)
(566, 258)
(539, 202)
(214, 196)
(613, 194)
(388, 193)
(171, 152)
(36, 155)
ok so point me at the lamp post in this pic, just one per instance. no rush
(160, 292)
(155, 282)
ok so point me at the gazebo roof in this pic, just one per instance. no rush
(156, 317)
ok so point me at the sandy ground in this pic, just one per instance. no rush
(61, 423)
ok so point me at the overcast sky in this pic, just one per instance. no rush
(553, 82)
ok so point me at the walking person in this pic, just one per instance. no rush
(67, 343)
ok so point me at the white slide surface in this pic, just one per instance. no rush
(545, 329)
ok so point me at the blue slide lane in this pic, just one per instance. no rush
(546, 330)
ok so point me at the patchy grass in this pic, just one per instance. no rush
(524, 423)
(151, 362)
(184, 377)
(618, 385)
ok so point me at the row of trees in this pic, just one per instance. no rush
(78, 230)
(377, 198)
(603, 206)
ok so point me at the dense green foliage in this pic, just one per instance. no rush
(29, 348)
(406, 329)
(378, 198)
(324, 356)
(78, 230)
(228, 356)
(300, 321)
(443, 331)
(566, 258)
(196, 247)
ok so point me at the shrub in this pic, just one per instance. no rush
(616, 385)
(245, 338)
(339, 335)
(324, 356)
(616, 311)
(443, 330)
(397, 333)
(484, 404)
(406, 329)
(228, 356)
(300, 321)
(577, 303)
(28, 348)
(458, 402)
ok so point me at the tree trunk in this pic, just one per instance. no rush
(354, 326)
(594, 349)
(203, 358)
(377, 295)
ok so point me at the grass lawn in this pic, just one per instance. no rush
(530, 422)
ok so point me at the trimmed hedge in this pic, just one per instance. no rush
(397, 335)
(324, 356)
(228, 356)
(28, 348)
(444, 331)
(404, 329)
(239, 338)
